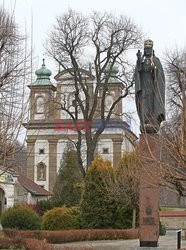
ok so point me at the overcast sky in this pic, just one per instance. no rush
(164, 21)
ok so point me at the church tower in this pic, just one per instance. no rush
(115, 88)
(42, 115)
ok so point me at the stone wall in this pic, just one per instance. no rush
(173, 219)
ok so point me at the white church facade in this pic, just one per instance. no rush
(49, 131)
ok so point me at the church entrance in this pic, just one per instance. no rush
(2, 200)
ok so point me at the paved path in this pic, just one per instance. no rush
(167, 242)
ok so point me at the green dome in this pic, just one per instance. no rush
(43, 75)
(113, 74)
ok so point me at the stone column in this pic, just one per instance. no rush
(117, 151)
(30, 158)
(149, 190)
(52, 163)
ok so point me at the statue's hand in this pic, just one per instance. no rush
(139, 55)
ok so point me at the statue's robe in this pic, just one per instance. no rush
(150, 92)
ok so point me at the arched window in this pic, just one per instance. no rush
(40, 105)
(108, 102)
(41, 172)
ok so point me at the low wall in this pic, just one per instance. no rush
(173, 219)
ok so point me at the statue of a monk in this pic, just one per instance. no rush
(149, 89)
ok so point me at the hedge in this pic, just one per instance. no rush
(28, 244)
(32, 244)
(63, 236)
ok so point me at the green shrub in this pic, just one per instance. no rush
(122, 216)
(60, 218)
(99, 209)
(162, 229)
(45, 205)
(96, 208)
(20, 217)
(75, 212)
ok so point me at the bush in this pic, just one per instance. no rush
(20, 217)
(98, 208)
(122, 216)
(36, 207)
(45, 205)
(75, 212)
(60, 218)
(162, 229)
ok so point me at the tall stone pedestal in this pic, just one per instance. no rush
(149, 190)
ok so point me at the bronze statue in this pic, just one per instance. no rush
(149, 89)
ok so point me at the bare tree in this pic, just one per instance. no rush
(108, 39)
(174, 131)
(13, 69)
(123, 184)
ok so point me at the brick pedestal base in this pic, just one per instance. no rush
(149, 191)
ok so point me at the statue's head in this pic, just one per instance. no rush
(148, 47)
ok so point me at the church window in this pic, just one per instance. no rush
(41, 172)
(108, 101)
(105, 151)
(40, 105)
(74, 103)
(41, 151)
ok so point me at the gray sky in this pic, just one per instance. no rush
(162, 20)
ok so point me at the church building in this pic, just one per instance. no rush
(46, 142)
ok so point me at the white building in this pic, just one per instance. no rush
(46, 142)
(17, 189)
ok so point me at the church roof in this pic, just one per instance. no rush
(32, 187)
(43, 75)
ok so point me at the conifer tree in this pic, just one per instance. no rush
(69, 184)
(98, 208)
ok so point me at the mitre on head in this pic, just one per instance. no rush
(148, 43)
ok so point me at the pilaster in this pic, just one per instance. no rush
(117, 143)
(52, 163)
(30, 158)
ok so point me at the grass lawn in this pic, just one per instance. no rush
(172, 209)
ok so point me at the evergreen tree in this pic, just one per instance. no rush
(69, 184)
(96, 208)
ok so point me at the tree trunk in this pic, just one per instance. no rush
(78, 147)
(90, 154)
(91, 145)
(134, 218)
